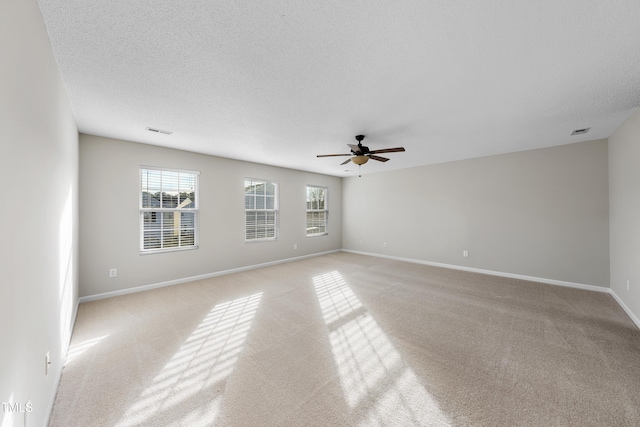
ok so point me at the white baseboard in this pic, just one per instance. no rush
(490, 272)
(607, 290)
(63, 362)
(633, 317)
(193, 278)
(627, 310)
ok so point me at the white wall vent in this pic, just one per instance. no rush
(580, 131)
(166, 132)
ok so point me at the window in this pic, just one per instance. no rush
(317, 211)
(260, 210)
(168, 210)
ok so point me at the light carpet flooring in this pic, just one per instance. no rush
(351, 340)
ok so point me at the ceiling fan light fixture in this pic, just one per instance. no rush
(360, 160)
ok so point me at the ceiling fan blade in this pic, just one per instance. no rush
(378, 158)
(387, 150)
(345, 162)
(333, 155)
(355, 148)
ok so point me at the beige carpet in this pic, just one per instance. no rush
(350, 340)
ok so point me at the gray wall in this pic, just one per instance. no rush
(540, 213)
(38, 255)
(624, 195)
(109, 216)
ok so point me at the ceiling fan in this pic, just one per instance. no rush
(361, 154)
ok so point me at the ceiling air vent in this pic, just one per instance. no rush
(580, 131)
(166, 132)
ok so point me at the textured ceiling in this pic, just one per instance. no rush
(280, 81)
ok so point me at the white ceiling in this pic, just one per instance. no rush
(280, 81)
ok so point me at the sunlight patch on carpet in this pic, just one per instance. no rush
(76, 350)
(375, 381)
(195, 374)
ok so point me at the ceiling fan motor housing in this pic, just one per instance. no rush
(363, 149)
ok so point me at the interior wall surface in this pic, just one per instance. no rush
(110, 216)
(541, 213)
(624, 194)
(39, 216)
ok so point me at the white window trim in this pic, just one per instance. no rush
(196, 210)
(276, 210)
(325, 210)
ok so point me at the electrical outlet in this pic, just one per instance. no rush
(113, 272)
(465, 254)
(47, 362)
(295, 246)
(384, 245)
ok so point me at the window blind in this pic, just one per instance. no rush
(317, 211)
(261, 209)
(168, 209)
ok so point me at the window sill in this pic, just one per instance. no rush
(261, 240)
(164, 251)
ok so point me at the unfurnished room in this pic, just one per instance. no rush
(227, 213)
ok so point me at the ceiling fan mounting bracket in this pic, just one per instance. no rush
(359, 138)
